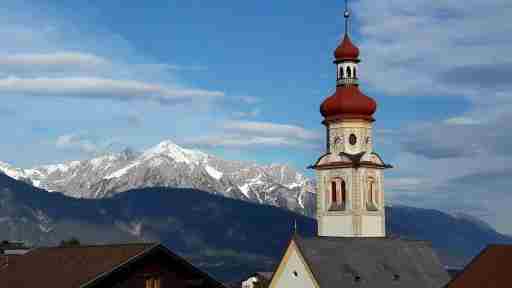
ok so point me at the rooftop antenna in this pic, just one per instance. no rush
(347, 16)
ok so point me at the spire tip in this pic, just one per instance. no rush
(347, 16)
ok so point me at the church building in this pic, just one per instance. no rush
(351, 249)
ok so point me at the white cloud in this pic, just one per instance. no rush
(76, 142)
(89, 87)
(55, 61)
(88, 143)
(239, 141)
(422, 44)
(258, 135)
(269, 129)
(252, 113)
(461, 121)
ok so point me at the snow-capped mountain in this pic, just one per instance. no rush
(169, 165)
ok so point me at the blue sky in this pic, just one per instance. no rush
(244, 80)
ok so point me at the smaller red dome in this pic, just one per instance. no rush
(348, 102)
(346, 50)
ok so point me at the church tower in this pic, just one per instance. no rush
(350, 191)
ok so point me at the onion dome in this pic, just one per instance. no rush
(348, 102)
(346, 50)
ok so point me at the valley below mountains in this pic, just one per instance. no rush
(169, 165)
(226, 237)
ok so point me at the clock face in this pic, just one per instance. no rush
(352, 139)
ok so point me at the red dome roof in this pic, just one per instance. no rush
(346, 50)
(348, 102)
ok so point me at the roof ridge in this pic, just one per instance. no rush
(99, 245)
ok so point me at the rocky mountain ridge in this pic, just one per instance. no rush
(169, 165)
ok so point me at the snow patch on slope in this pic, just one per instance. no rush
(213, 172)
(119, 173)
(245, 189)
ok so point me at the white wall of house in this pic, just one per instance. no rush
(294, 272)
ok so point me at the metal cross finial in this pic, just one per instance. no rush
(347, 16)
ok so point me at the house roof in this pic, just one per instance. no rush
(491, 268)
(372, 262)
(7, 245)
(66, 266)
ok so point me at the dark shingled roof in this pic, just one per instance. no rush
(64, 267)
(489, 269)
(372, 262)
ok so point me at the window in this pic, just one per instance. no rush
(371, 197)
(343, 192)
(152, 282)
(149, 283)
(334, 197)
(370, 191)
(338, 198)
(349, 73)
(355, 75)
(340, 75)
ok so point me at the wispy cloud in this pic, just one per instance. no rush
(85, 87)
(50, 62)
(87, 143)
(271, 130)
(76, 142)
(459, 137)
(258, 135)
(432, 48)
(239, 141)
(249, 114)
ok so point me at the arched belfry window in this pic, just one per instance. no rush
(371, 196)
(334, 192)
(343, 192)
(341, 75)
(349, 72)
(338, 195)
(355, 74)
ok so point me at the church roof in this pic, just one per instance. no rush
(372, 262)
(348, 102)
(344, 159)
(346, 50)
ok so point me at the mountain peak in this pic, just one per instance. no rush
(172, 150)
